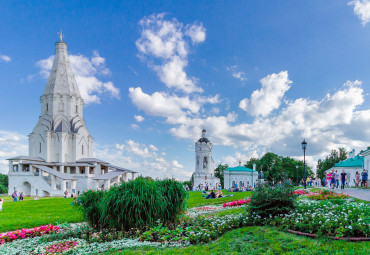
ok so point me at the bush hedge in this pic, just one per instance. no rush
(269, 201)
(137, 204)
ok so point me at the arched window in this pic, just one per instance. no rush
(82, 150)
(240, 184)
(233, 185)
(40, 147)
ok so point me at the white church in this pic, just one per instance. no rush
(60, 146)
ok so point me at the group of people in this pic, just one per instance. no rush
(245, 187)
(15, 196)
(213, 194)
(333, 179)
(207, 187)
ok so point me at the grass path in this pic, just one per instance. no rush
(261, 240)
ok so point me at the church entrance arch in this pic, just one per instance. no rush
(26, 188)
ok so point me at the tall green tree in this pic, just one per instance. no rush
(219, 173)
(329, 161)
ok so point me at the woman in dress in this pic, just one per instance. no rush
(328, 178)
(357, 178)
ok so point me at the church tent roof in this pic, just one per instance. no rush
(61, 79)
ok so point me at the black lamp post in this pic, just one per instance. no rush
(304, 146)
(297, 173)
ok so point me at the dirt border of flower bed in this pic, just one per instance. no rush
(350, 239)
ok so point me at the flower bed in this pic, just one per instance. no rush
(37, 246)
(58, 247)
(340, 218)
(236, 203)
(196, 211)
(199, 230)
(26, 233)
(326, 194)
(299, 192)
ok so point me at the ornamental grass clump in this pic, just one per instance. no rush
(268, 201)
(89, 204)
(175, 197)
(137, 204)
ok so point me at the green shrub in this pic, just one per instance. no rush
(138, 204)
(3, 189)
(268, 201)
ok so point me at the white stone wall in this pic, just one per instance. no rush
(237, 177)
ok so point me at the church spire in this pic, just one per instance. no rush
(61, 79)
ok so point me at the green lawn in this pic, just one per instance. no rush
(30, 213)
(196, 199)
(262, 240)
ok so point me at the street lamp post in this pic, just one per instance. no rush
(297, 173)
(304, 146)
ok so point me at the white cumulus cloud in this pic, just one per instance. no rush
(166, 42)
(237, 74)
(139, 118)
(165, 105)
(268, 98)
(5, 58)
(11, 145)
(143, 159)
(361, 9)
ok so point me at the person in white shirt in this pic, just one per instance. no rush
(1, 204)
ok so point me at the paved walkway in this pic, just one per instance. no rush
(363, 194)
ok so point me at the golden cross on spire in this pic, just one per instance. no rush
(61, 35)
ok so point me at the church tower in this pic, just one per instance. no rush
(204, 163)
(61, 134)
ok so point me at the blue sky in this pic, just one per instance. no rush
(258, 75)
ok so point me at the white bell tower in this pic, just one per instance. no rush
(204, 164)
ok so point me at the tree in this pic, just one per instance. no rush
(330, 160)
(278, 168)
(192, 180)
(3, 183)
(219, 173)
(4, 180)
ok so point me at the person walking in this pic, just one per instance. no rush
(328, 178)
(364, 179)
(343, 179)
(15, 196)
(357, 178)
(332, 182)
(336, 178)
(1, 204)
